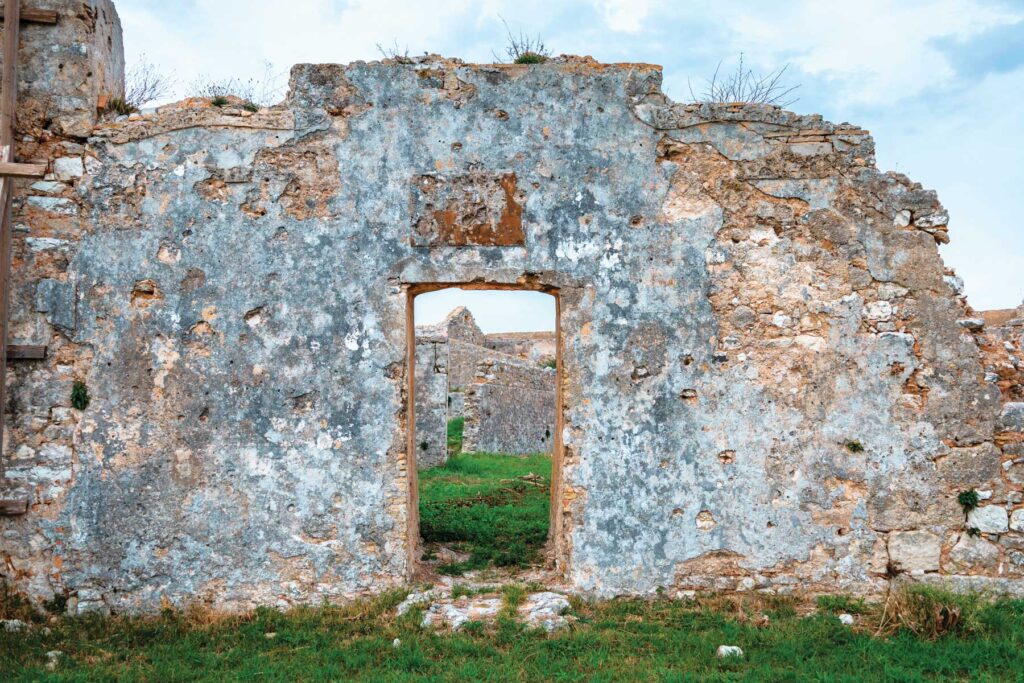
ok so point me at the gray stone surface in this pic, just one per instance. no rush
(242, 282)
(989, 519)
(915, 551)
(431, 403)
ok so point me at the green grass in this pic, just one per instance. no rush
(455, 428)
(493, 507)
(619, 640)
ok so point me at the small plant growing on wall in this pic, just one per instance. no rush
(79, 395)
(855, 446)
(968, 500)
(524, 50)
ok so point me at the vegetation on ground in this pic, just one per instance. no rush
(492, 507)
(618, 640)
(455, 428)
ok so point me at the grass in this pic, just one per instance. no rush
(617, 640)
(492, 506)
(455, 428)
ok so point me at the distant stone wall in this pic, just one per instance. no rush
(431, 403)
(535, 346)
(464, 361)
(510, 408)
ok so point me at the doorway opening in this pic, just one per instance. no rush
(485, 428)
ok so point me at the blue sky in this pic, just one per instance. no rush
(940, 83)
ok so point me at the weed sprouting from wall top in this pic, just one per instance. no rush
(743, 85)
(524, 49)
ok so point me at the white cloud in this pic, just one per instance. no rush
(878, 51)
(625, 15)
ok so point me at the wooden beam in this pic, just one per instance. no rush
(16, 170)
(8, 107)
(25, 352)
(13, 504)
(38, 16)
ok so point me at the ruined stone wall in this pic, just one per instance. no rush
(431, 387)
(765, 378)
(536, 346)
(509, 408)
(66, 69)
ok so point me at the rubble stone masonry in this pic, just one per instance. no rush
(508, 401)
(768, 378)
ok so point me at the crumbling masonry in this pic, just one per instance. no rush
(767, 378)
(506, 396)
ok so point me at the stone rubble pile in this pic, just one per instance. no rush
(545, 609)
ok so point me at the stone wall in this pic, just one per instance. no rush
(510, 408)
(536, 346)
(766, 380)
(431, 403)
(66, 69)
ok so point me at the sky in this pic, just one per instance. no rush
(939, 83)
(495, 311)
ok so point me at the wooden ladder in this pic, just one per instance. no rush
(12, 503)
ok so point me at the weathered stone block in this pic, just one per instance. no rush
(1017, 520)
(989, 519)
(1012, 417)
(915, 551)
(974, 553)
(57, 300)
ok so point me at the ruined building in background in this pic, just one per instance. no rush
(767, 379)
(506, 396)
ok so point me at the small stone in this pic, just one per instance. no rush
(57, 205)
(936, 219)
(271, 635)
(743, 317)
(396, 643)
(972, 324)
(878, 310)
(956, 283)
(1012, 417)
(53, 658)
(901, 219)
(48, 186)
(729, 651)
(12, 625)
(545, 610)
(67, 168)
(890, 291)
(846, 619)
(1017, 520)
(988, 519)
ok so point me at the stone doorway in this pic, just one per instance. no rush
(484, 428)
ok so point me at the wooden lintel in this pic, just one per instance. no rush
(25, 352)
(35, 16)
(14, 169)
(13, 504)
